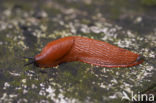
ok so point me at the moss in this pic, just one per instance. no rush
(149, 2)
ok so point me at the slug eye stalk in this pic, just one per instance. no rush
(31, 60)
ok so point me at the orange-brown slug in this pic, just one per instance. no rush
(75, 48)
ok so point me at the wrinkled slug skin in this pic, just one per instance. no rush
(75, 48)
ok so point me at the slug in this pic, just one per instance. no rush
(75, 48)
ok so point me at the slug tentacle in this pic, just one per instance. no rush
(28, 57)
(30, 62)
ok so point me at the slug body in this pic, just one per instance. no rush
(75, 48)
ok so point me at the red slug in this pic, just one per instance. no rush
(75, 48)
